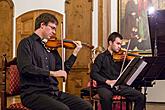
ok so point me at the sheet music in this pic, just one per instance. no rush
(131, 71)
(136, 73)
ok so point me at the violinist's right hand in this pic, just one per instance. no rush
(78, 47)
(110, 82)
(59, 73)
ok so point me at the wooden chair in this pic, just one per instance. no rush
(10, 86)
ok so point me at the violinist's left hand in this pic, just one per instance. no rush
(123, 56)
(78, 47)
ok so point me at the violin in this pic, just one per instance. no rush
(69, 44)
(119, 56)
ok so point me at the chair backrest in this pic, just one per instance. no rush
(10, 81)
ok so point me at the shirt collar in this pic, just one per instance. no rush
(107, 52)
(36, 37)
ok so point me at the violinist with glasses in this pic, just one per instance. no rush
(106, 70)
(39, 69)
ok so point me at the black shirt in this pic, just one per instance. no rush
(34, 62)
(104, 68)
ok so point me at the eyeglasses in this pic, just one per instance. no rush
(52, 27)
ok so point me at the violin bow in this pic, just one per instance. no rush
(125, 56)
(63, 57)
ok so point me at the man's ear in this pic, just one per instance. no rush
(110, 42)
(42, 25)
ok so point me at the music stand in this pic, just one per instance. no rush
(131, 71)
